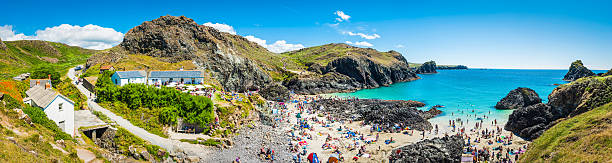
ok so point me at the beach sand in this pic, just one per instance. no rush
(379, 151)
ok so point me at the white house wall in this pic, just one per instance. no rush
(66, 115)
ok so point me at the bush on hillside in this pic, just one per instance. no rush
(39, 117)
(43, 72)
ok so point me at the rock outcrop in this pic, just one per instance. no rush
(577, 71)
(518, 98)
(341, 67)
(451, 67)
(275, 92)
(379, 112)
(445, 149)
(427, 68)
(565, 101)
(2, 45)
(232, 60)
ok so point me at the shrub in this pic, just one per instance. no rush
(39, 117)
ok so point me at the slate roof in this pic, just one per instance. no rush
(131, 74)
(176, 74)
(43, 97)
(41, 82)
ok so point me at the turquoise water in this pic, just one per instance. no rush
(462, 91)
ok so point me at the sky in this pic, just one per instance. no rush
(480, 34)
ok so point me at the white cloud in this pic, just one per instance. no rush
(399, 46)
(342, 16)
(365, 36)
(89, 36)
(277, 47)
(360, 43)
(222, 27)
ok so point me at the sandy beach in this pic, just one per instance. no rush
(323, 137)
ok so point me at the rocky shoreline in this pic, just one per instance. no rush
(385, 113)
(445, 149)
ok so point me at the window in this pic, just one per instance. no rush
(61, 107)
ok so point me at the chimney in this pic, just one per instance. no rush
(49, 76)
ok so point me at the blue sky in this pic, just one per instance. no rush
(492, 34)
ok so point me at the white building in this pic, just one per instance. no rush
(122, 78)
(180, 76)
(57, 107)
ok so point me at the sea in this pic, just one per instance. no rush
(467, 94)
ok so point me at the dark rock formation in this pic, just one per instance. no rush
(451, 67)
(329, 83)
(385, 113)
(427, 68)
(445, 149)
(531, 121)
(175, 39)
(565, 101)
(275, 92)
(607, 73)
(577, 71)
(518, 98)
(351, 73)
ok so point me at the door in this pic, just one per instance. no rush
(62, 125)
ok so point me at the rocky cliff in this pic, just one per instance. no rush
(235, 62)
(577, 71)
(427, 68)
(341, 67)
(445, 149)
(518, 98)
(238, 64)
(565, 101)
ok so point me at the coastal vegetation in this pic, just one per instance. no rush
(66, 88)
(584, 138)
(30, 143)
(144, 105)
(326, 53)
(26, 55)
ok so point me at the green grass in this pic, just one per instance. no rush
(67, 89)
(145, 118)
(584, 138)
(324, 54)
(207, 142)
(124, 139)
(23, 56)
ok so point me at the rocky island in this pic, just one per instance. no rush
(427, 68)
(577, 71)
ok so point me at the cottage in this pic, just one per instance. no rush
(57, 107)
(122, 78)
(180, 76)
(106, 68)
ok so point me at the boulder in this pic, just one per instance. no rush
(518, 98)
(445, 149)
(427, 68)
(577, 71)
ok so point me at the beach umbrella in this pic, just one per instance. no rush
(333, 158)
(312, 158)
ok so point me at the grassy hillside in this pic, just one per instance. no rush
(326, 53)
(583, 138)
(24, 55)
